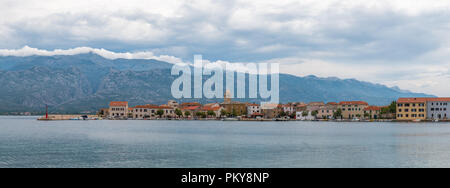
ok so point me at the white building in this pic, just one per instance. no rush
(253, 109)
(118, 109)
(309, 117)
(438, 108)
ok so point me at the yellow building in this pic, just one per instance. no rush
(410, 109)
(352, 109)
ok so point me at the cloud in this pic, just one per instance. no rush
(385, 41)
(28, 51)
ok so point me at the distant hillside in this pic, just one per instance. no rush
(87, 82)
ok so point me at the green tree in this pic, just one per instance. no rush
(235, 114)
(211, 113)
(338, 114)
(305, 113)
(178, 112)
(314, 113)
(187, 113)
(283, 113)
(160, 113)
(366, 115)
(200, 114)
(223, 113)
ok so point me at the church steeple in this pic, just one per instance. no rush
(227, 97)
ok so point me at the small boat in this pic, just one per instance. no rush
(417, 120)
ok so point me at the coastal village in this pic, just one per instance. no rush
(404, 109)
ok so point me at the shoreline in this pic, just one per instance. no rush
(96, 118)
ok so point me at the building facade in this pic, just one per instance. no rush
(253, 109)
(372, 112)
(118, 109)
(438, 108)
(409, 109)
(327, 111)
(151, 111)
(353, 109)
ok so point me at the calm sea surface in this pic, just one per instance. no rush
(25, 142)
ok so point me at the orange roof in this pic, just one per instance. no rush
(353, 103)
(165, 107)
(316, 103)
(191, 108)
(373, 108)
(332, 103)
(151, 106)
(118, 103)
(411, 100)
(191, 104)
(438, 99)
(252, 104)
(207, 108)
(422, 100)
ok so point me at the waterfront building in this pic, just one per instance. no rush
(289, 108)
(189, 104)
(271, 111)
(150, 111)
(300, 107)
(327, 111)
(352, 109)
(308, 116)
(118, 109)
(173, 104)
(214, 107)
(253, 109)
(372, 112)
(438, 108)
(409, 109)
(103, 113)
(314, 106)
(233, 107)
(191, 109)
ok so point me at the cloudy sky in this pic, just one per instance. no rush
(403, 43)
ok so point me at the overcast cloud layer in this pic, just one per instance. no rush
(396, 42)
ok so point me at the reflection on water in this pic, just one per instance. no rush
(25, 142)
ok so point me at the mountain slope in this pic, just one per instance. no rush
(86, 82)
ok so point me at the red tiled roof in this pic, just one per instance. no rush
(372, 108)
(191, 108)
(191, 104)
(207, 108)
(148, 106)
(438, 99)
(252, 105)
(422, 100)
(332, 103)
(411, 100)
(118, 103)
(353, 103)
(165, 107)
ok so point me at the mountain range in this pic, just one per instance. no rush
(86, 82)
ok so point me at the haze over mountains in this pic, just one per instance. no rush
(87, 82)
